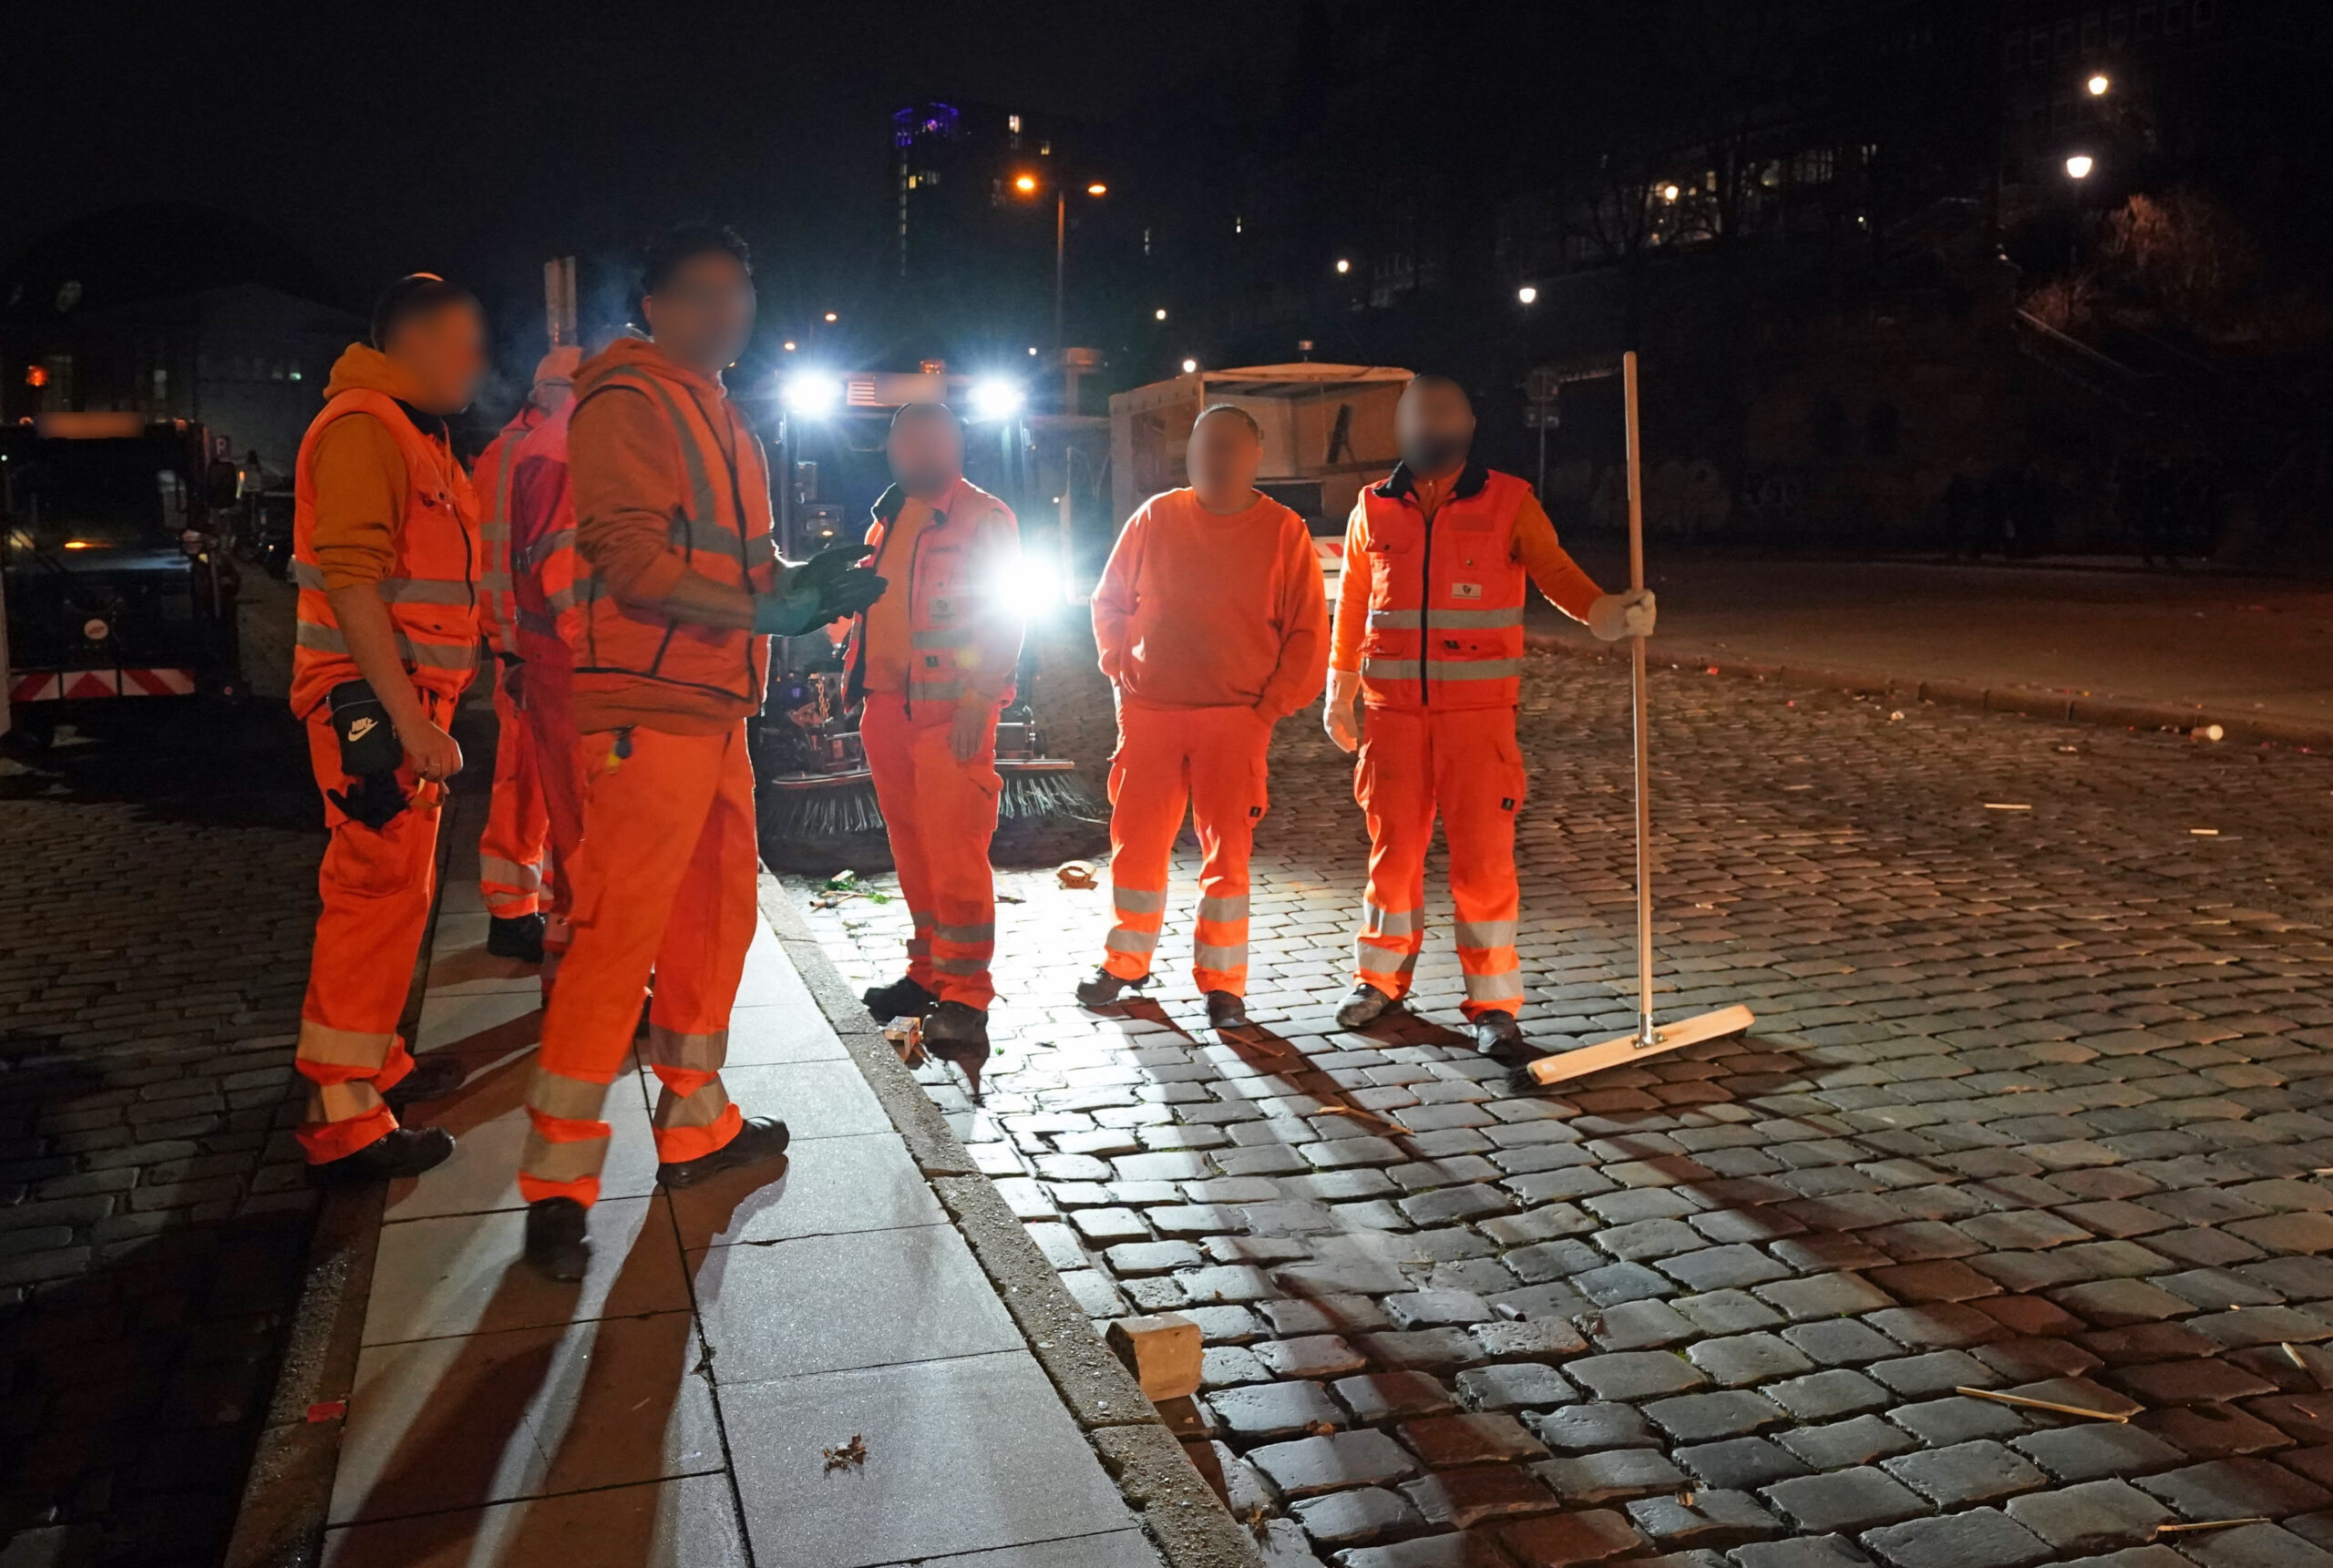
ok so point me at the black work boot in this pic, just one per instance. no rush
(558, 1242)
(433, 1077)
(400, 1152)
(956, 1032)
(1225, 1011)
(758, 1138)
(520, 937)
(1104, 988)
(901, 998)
(1496, 1037)
(1364, 1006)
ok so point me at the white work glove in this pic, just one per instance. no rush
(1625, 614)
(1337, 715)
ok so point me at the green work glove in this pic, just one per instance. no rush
(827, 588)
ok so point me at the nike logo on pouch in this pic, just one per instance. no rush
(1466, 591)
(360, 728)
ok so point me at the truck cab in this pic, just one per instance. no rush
(115, 563)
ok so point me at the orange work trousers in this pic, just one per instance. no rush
(376, 884)
(1211, 760)
(511, 849)
(550, 687)
(1464, 763)
(941, 814)
(664, 881)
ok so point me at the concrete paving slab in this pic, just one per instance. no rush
(462, 1274)
(688, 1522)
(832, 1186)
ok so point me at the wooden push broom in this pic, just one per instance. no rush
(1649, 1037)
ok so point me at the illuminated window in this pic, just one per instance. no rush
(1013, 123)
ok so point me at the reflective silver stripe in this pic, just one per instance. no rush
(1138, 900)
(566, 1099)
(961, 965)
(1474, 668)
(688, 1052)
(1486, 933)
(317, 638)
(935, 690)
(391, 590)
(1395, 619)
(1372, 960)
(508, 872)
(965, 936)
(341, 1101)
(701, 1108)
(942, 640)
(1224, 909)
(1500, 988)
(1388, 669)
(700, 482)
(1124, 941)
(569, 1160)
(343, 1047)
(1380, 922)
(1447, 620)
(557, 540)
(921, 920)
(1207, 958)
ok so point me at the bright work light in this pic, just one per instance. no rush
(811, 394)
(995, 399)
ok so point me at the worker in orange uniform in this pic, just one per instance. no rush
(384, 545)
(668, 636)
(1213, 627)
(511, 869)
(543, 577)
(1429, 635)
(935, 668)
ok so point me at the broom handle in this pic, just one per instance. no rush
(1645, 1034)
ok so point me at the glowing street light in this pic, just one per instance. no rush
(1160, 313)
(812, 394)
(1190, 367)
(2080, 165)
(1028, 183)
(1669, 193)
(2098, 85)
(1344, 265)
(1025, 184)
(832, 317)
(1527, 294)
(1097, 188)
(789, 345)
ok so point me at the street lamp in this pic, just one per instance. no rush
(2098, 85)
(1344, 265)
(1029, 184)
(1190, 367)
(832, 317)
(2080, 165)
(1527, 294)
(1160, 313)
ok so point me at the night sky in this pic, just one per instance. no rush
(477, 140)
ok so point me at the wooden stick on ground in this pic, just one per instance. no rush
(2044, 1405)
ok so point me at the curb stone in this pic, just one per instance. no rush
(1186, 1520)
(2030, 701)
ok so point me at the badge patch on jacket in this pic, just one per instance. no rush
(1466, 591)
(942, 608)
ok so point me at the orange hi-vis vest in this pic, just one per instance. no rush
(496, 613)
(1445, 594)
(431, 589)
(545, 570)
(721, 525)
(959, 622)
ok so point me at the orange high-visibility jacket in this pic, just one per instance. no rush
(490, 479)
(964, 633)
(1445, 593)
(431, 589)
(718, 525)
(545, 569)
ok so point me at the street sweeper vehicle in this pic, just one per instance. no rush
(817, 805)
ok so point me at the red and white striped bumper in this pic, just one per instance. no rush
(72, 685)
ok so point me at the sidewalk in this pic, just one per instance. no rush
(2254, 655)
(676, 1406)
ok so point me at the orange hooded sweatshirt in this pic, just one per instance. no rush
(629, 477)
(360, 475)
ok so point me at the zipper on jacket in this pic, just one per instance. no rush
(915, 559)
(1425, 610)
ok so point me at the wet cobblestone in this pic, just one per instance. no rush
(2034, 1104)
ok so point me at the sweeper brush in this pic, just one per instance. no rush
(1649, 1037)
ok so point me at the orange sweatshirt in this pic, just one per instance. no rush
(625, 470)
(360, 478)
(1567, 587)
(1202, 610)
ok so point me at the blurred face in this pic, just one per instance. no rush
(703, 314)
(1434, 426)
(443, 357)
(1222, 458)
(926, 453)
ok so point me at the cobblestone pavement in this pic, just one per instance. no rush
(2045, 1020)
(157, 892)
